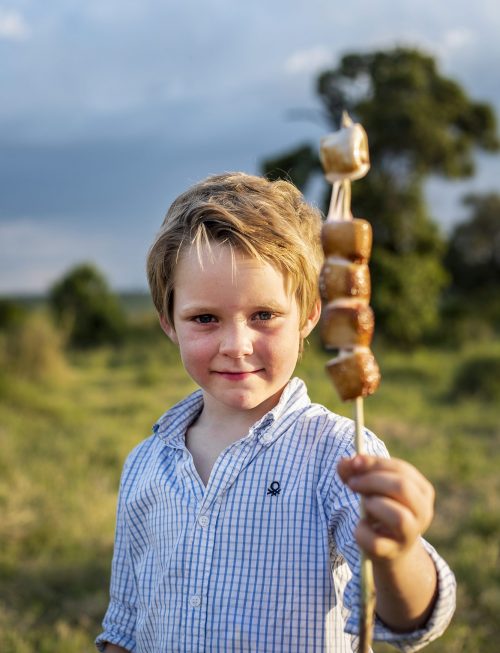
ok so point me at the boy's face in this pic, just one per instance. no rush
(237, 327)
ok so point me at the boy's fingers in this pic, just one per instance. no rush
(374, 544)
(363, 464)
(359, 466)
(377, 545)
(387, 529)
(403, 493)
(391, 485)
(388, 517)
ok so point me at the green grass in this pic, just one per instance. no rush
(65, 431)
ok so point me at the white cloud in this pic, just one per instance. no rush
(456, 39)
(455, 44)
(309, 60)
(13, 27)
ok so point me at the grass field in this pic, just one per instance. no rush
(67, 422)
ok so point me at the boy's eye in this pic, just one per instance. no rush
(204, 319)
(264, 315)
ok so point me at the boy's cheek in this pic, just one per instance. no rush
(197, 352)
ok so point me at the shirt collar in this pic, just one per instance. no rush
(172, 425)
(294, 397)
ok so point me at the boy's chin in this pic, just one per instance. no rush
(253, 401)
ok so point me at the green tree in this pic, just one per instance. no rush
(473, 256)
(418, 123)
(472, 302)
(85, 306)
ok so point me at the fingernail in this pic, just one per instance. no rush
(357, 462)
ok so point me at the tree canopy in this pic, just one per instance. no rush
(419, 122)
(85, 306)
(473, 256)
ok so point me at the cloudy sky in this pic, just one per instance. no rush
(110, 108)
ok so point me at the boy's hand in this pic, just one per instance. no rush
(399, 506)
(398, 501)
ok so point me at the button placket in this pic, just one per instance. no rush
(203, 544)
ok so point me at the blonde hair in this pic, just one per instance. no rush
(267, 221)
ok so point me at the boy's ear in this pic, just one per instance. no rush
(312, 319)
(168, 329)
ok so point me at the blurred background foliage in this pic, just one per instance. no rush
(84, 372)
(419, 123)
(86, 309)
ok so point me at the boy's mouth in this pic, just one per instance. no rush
(237, 375)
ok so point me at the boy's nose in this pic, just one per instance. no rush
(236, 341)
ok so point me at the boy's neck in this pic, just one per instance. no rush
(231, 424)
(216, 428)
(209, 435)
(226, 426)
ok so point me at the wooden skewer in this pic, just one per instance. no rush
(368, 597)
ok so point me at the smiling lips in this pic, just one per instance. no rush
(236, 376)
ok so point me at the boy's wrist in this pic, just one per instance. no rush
(113, 648)
(390, 564)
(407, 588)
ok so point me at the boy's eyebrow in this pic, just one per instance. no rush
(271, 305)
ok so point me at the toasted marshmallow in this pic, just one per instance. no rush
(354, 373)
(350, 239)
(344, 154)
(346, 323)
(342, 278)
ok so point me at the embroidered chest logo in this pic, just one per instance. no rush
(274, 489)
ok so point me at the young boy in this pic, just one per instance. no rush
(238, 520)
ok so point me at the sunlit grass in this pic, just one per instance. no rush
(64, 438)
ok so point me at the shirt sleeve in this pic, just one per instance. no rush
(343, 508)
(120, 619)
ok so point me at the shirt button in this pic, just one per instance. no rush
(267, 437)
(204, 521)
(195, 601)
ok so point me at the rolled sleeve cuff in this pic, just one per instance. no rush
(111, 637)
(435, 625)
(119, 628)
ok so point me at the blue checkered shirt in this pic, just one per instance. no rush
(262, 559)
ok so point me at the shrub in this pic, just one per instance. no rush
(406, 288)
(478, 377)
(12, 314)
(34, 350)
(86, 308)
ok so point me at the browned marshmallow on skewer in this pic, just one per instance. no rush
(349, 239)
(346, 324)
(354, 373)
(341, 278)
(344, 154)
